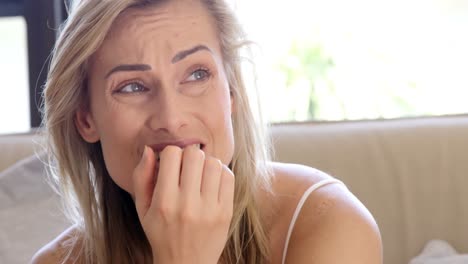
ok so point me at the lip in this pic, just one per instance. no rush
(180, 143)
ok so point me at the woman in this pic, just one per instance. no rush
(158, 155)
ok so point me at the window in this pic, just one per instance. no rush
(14, 87)
(364, 59)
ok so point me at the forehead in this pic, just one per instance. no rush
(164, 29)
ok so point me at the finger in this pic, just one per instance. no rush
(167, 183)
(226, 188)
(192, 168)
(212, 173)
(143, 181)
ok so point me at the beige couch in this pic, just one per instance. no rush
(410, 173)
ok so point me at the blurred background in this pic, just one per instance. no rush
(313, 60)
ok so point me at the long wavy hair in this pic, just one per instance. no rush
(108, 227)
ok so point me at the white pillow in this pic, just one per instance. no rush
(439, 252)
(30, 212)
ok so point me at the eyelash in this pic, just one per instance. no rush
(134, 82)
(199, 68)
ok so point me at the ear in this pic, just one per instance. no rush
(86, 126)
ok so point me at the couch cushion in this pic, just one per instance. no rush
(30, 212)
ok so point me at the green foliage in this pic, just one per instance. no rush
(305, 61)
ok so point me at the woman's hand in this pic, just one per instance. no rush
(187, 212)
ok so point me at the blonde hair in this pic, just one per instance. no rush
(105, 215)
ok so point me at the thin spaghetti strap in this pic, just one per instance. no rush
(299, 207)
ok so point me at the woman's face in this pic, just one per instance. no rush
(158, 79)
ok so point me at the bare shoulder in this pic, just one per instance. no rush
(333, 226)
(59, 248)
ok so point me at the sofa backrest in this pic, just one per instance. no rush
(15, 147)
(410, 173)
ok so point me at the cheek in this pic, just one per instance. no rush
(229, 139)
(224, 129)
(120, 128)
(119, 158)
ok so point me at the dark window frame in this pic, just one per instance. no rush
(43, 18)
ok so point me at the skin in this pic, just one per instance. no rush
(186, 196)
(172, 104)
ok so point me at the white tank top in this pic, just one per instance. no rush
(299, 207)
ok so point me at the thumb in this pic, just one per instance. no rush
(143, 182)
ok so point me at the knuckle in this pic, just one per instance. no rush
(214, 218)
(187, 216)
(208, 219)
(165, 211)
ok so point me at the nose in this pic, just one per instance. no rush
(167, 115)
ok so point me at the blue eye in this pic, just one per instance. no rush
(199, 75)
(133, 87)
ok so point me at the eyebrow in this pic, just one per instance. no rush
(129, 67)
(181, 55)
(145, 67)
